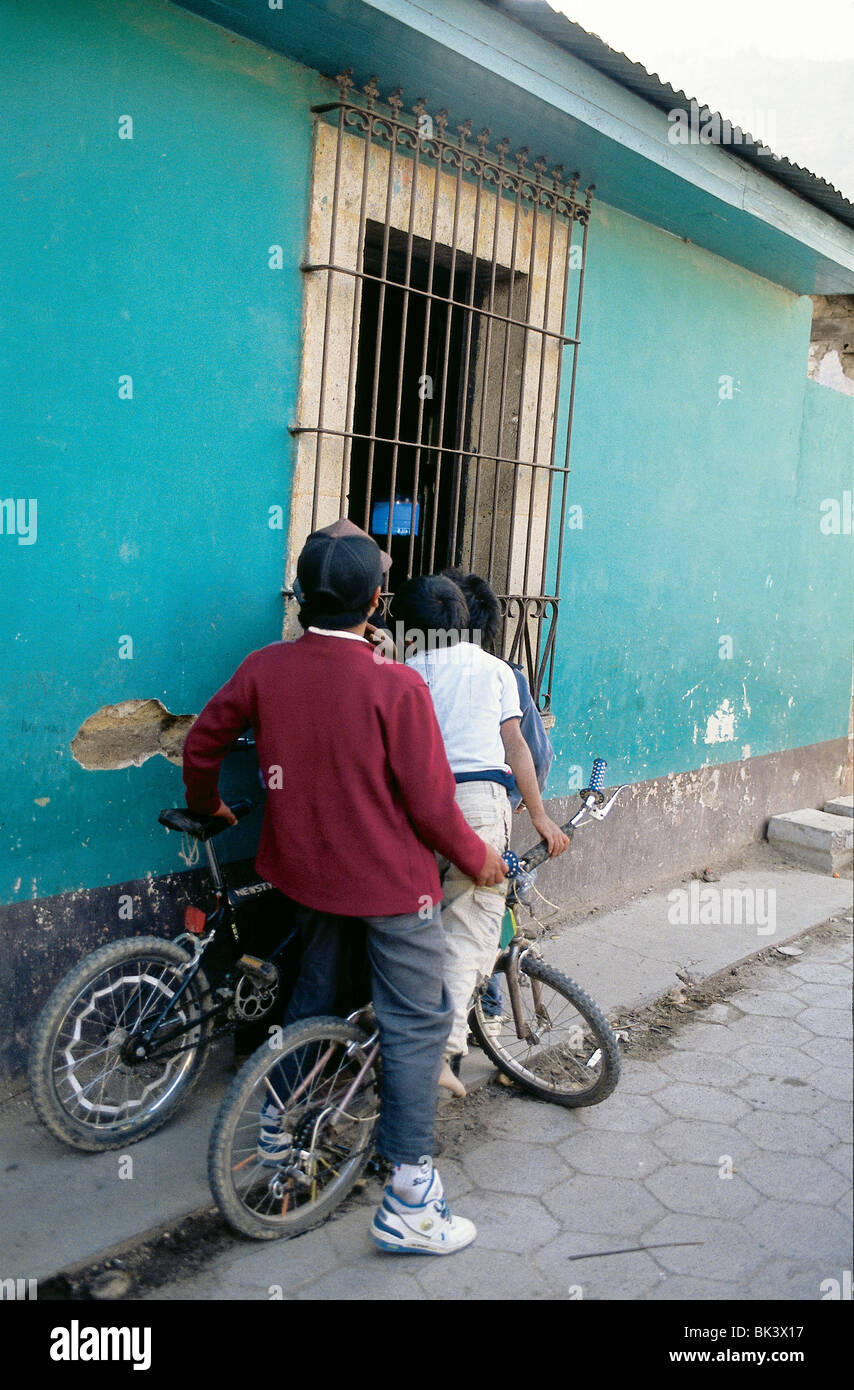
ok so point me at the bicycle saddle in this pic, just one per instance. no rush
(200, 827)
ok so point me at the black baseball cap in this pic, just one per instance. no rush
(339, 573)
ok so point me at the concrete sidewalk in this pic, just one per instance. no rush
(63, 1208)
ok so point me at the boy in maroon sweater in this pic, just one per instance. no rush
(360, 798)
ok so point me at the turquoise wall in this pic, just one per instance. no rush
(701, 518)
(146, 257)
(149, 257)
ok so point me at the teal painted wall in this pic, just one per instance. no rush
(148, 257)
(701, 518)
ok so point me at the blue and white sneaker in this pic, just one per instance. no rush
(274, 1145)
(422, 1228)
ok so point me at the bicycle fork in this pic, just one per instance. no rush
(515, 952)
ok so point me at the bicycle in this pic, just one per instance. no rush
(122, 1040)
(321, 1077)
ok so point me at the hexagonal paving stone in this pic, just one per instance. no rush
(705, 1247)
(797, 1134)
(603, 1275)
(828, 1023)
(718, 1013)
(775, 976)
(640, 1078)
(782, 1279)
(702, 1068)
(776, 1003)
(701, 1103)
(830, 1052)
(837, 1116)
(701, 1290)
(699, 1141)
(625, 1114)
(819, 972)
(793, 1177)
(789, 1096)
(523, 1118)
(840, 1158)
(509, 1222)
(366, 1280)
(700, 1189)
(833, 1082)
(704, 1037)
(759, 1030)
(507, 1167)
(476, 1274)
(798, 1231)
(824, 996)
(611, 1206)
(780, 1062)
(596, 1151)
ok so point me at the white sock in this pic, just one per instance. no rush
(410, 1181)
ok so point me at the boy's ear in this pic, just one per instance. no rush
(375, 600)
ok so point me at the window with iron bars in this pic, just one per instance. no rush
(439, 280)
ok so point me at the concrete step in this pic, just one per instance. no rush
(815, 839)
(840, 806)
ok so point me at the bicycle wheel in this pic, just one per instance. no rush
(85, 1084)
(320, 1093)
(572, 1058)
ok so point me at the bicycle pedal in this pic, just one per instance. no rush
(263, 972)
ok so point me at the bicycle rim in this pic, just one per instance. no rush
(571, 1056)
(93, 1080)
(316, 1098)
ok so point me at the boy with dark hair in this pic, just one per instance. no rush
(350, 829)
(484, 626)
(476, 703)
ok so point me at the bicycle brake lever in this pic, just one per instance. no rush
(602, 811)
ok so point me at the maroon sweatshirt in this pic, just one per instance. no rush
(359, 791)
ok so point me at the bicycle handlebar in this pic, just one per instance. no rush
(593, 806)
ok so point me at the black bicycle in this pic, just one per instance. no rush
(296, 1128)
(123, 1039)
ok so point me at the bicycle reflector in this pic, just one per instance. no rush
(194, 919)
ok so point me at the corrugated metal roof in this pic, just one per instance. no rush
(558, 29)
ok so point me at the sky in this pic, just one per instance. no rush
(779, 68)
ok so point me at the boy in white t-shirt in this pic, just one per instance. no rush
(477, 707)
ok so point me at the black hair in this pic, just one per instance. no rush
(430, 602)
(483, 606)
(319, 610)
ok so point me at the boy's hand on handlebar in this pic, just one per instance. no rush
(494, 869)
(552, 834)
(226, 813)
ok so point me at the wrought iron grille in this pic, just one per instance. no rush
(438, 277)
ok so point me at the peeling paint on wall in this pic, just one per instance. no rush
(720, 726)
(127, 734)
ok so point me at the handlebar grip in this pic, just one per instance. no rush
(597, 774)
(241, 808)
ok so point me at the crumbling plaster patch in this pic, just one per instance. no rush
(128, 734)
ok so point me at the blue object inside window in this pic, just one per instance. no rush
(401, 522)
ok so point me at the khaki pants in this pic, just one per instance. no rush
(472, 916)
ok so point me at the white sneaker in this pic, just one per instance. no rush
(425, 1228)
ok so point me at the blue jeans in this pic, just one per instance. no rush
(404, 979)
(493, 998)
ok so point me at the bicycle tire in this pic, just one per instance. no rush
(247, 1202)
(57, 1078)
(508, 1054)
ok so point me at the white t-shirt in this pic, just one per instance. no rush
(473, 694)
